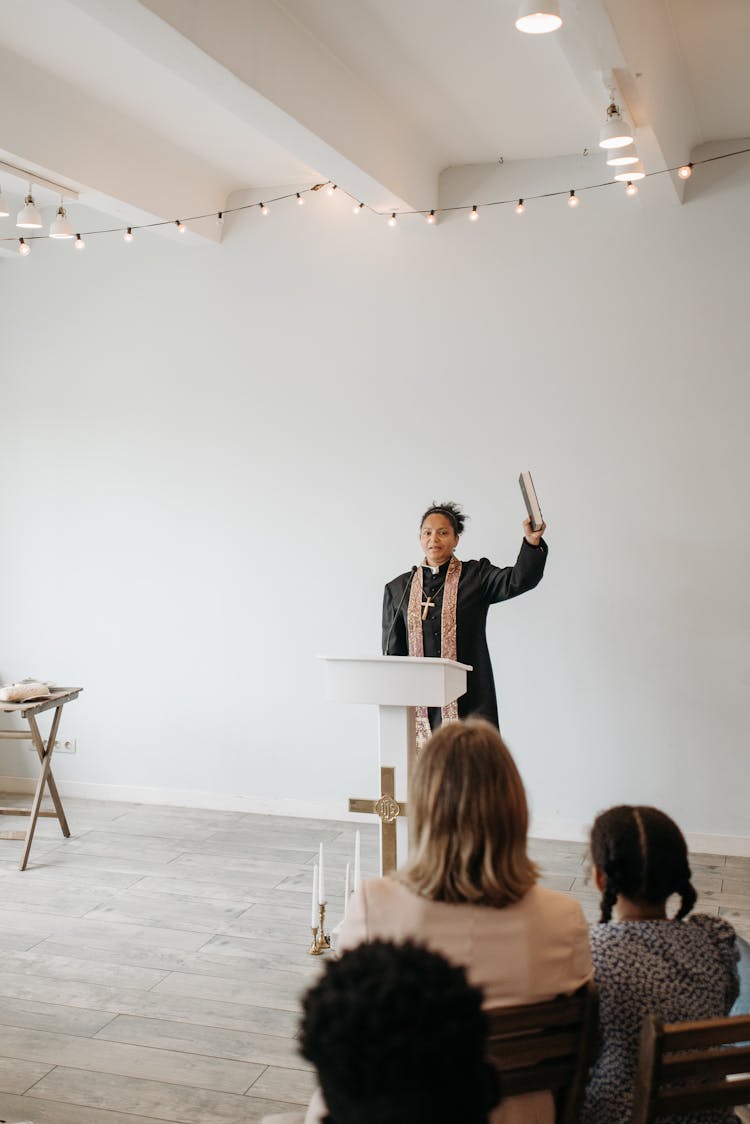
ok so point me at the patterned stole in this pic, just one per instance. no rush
(447, 638)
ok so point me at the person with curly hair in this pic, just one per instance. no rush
(397, 1035)
(440, 609)
(644, 961)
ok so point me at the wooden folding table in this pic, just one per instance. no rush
(29, 710)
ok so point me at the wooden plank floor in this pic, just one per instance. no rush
(151, 966)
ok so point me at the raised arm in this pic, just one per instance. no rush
(503, 582)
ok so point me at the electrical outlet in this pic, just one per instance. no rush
(67, 745)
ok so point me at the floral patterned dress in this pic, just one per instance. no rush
(679, 970)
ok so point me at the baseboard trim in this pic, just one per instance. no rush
(554, 828)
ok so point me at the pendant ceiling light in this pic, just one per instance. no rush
(616, 133)
(4, 212)
(633, 172)
(621, 157)
(537, 17)
(28, 217)
(61, 228)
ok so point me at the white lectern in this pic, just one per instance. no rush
(396, 685)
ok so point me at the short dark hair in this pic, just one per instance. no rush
(397, 1034)
(643, 855)
(451, 511)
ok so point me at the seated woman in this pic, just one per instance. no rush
(644, 962)
(469, 890)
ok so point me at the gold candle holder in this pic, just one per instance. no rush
(315, 948)
(324, 939)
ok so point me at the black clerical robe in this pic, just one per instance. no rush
(481, 584)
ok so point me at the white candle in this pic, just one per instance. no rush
(314, 917)
(347, 884)
(357, 863)
(321, 878)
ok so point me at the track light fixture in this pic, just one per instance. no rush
(615, 133)
(634, 172)
(28, 217)
(61, 228)
(538, 17)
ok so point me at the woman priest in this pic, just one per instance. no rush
(440, 609)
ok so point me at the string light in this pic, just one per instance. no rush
(431, 218)
(300, 200)
(180, 226)
(263, 209)
(631, 188)
(24, 248)
(628, 177)
(474, 215)
(79, 243)
(331, 188)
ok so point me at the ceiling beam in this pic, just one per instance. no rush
(258, 62)
(132, 173)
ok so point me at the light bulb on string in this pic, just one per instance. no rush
(330, 189)
(685, 172)
(520, 209)
(79, 243)
(263, 209)
(573, 199)
(24, 248)
(431, 218)
(220, 218)
(631, 188)
(358, 208)
(300, 200)
(474, 214)
(180, 226)
(392, 221)
(128, 235)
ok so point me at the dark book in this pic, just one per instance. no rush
(528, 491)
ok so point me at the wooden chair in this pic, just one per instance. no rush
(547, 1047)
(686, 1067)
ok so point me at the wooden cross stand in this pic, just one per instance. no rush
(57, 699)
(396, 685)
(389, 809)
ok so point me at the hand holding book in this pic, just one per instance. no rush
(533, 527)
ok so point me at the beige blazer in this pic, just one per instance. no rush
(524, 953)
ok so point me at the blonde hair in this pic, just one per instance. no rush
(468, 820)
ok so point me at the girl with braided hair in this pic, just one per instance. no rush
(644, 961)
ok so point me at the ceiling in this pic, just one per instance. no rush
(159, 108)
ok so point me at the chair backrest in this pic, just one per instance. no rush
(686, 1067)
(547, 1046)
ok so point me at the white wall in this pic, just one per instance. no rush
(213, 457)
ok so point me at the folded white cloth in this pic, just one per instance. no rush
(24, 692)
